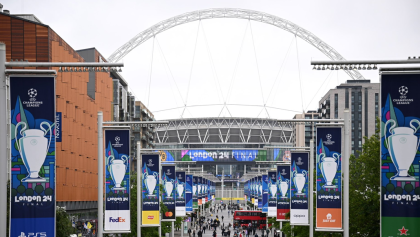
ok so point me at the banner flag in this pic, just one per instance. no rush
(208, 198)
(150, 189)
(180, 184)
(32, 184)
(188, 193)
(272, 194)
(203, 190)
(328, 178)
(117, 179)
(299, 183)
(259, 191)
(199, 187)
(255, 179)
(265, 193)
(168, 195)
(195, 187)
(283, 191)
(400, 156)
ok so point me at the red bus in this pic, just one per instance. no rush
(257, 219)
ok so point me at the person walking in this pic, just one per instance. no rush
(204, 229)
(228, 233)
(199, 233)
(189, 232)
(214, 234)
(223, 218)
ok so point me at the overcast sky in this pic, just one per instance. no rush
(233, 61)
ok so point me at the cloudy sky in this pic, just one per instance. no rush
(241, 63)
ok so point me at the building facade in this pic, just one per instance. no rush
(361, 97)
(305, 132)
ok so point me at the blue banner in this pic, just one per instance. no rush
(117, 180)
(32, 124)
(223, 155)
(169, 194)
(283, 191)
(265, 193)
(259, 191)
(400, 155)
(195, 190)
(150, 189)
(272, 194)
(58, 130)
(180, 184)
(299, 184)
(328, 178)
(188, 193)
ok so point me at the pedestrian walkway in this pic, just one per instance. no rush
(209, 233)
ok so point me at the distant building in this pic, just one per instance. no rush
(362, 98)
(303, 133)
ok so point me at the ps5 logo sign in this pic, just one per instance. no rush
(32, 93)
(299, 162)
(150, 163)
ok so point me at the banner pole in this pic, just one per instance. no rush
(100, 176)
(3, 141)
(173, 229)
(311, 189)
(139, 190)
(346, 161)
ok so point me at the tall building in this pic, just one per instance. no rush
(362, 98)
(303, 133)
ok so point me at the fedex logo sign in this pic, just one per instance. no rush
(119, 219)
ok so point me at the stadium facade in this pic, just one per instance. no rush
(225, 147)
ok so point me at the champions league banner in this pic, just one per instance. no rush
(255, 191)
(150, 189)
(259, 191)
(199, 186)
(32, 184)
(168, 195)
(272, 192)
(195, 199)
(299, 188)
(400, 156)
(328, 178)
(117, 180)
(203, 190)
(188, 193)
(180, 184)
(283, 191)
(265, 193)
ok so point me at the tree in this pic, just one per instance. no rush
(63, 223)
(365, 187)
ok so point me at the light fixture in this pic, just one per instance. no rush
(364, 67)
(323, 67)
(369, 67)
(120, 70)
(341, 67)
(375, 67)
(314, 68)
(59, 69)
(65, 69)
(328, 67)
(337, 68)
(345, 67)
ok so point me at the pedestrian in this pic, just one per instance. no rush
(199, 233)
(223, 218)
(204, 229)
(193, 233)
(253, 231)
(228, 233)
(223, 231)
(256, 235)
(189, 232)
(214, 234)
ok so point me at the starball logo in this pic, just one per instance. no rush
(32, 93)
(150, 163)
(283, 172)
(168, 172)
(117, 142)
(403, 100)
(329, 141)
(299, 162)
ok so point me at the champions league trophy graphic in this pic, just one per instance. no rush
(33, 148)
(260, 189)
(273, 190)
(117, 169)
(299, 181)
(199, 189)
(180, 189)
(194, 189)
(283, 187)
(402, 146)
(150, 182)
(329, 168)
(169, 186)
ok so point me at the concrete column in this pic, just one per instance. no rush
(4, 140)
(100, 176)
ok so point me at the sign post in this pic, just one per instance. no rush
(299, 187)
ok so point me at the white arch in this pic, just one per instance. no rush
(231, 13)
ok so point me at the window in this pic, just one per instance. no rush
(347, 98)
(360, 143)
(360, 108)
(360, 116)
